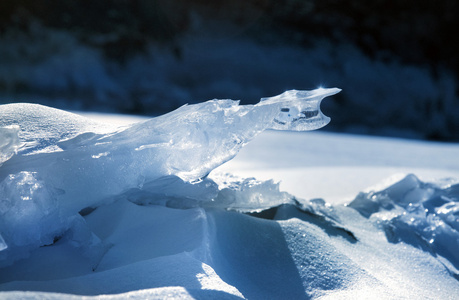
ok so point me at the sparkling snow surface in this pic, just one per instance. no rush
(353, 217)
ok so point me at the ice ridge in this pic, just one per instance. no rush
(53, 163)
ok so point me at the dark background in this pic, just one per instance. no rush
(396, 61)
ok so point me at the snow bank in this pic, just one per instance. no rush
(303, 250)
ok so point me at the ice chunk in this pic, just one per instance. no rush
(9, 142)
(422, 214)
(3, 245)
(25, 207)
(247, 194)
(56, 163)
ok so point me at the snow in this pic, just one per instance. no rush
(294, 215)
(337, 167)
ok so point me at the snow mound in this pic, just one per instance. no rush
(56, 164)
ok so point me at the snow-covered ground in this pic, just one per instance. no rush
(337, 166)
(347, 221)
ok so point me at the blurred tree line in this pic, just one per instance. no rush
(415, 31)
(418, 33)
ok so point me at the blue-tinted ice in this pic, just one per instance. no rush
(53, 163)
(424, 215)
